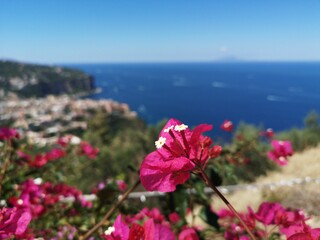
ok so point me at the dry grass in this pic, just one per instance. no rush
(307, 196)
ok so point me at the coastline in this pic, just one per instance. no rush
(86, 93)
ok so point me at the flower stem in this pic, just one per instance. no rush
(110, 212)
(207, 181)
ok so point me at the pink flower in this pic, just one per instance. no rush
(269, 133)
(155, 214)
(150, 230)
(64, 141)
(88, 150)
(121, 185)
(55, 154)
(225, 213)
(8, 133)
(136, 232)
(188, 234)
(303, 232)
(157, 231)
(156, 174)
(38, 197)
(119, 231)
(281, 151)
(174, 217)
(215, 151)
(267, 212)
(24, 156)
(179, 151)
(227, 126)
(68, 139)
(38, 161)
(13, 222)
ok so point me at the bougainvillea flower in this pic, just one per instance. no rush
(8, 133)
(121, 185)
(38, 197)
(303, 232)
(269, 133)
(88, 150)
(24, 156)
(39, 161)
(224, 213)
(174, 217)
(64, 141)
(235, 231)
(150, 230)
(68, 139)
(13, 222)
(136, 232)
(188, 234)
(156, 174)
(157, 231)
(289, 217)
(227, 126)
(55, 154)
(291, 223)
(267, 212)
(155, 214)
(281, 151)
(119, 230)
(179, 151)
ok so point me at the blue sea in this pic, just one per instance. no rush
(273, 95)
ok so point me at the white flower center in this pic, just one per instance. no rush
(160, 142)
(20, 201)
(37, 181)
(168, 129)
(3, 202)
(180, 128)
(109, 230)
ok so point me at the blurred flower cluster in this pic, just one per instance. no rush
(37, 200)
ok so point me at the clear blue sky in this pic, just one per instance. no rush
(61, 31)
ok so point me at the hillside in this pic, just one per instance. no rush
(30, 80)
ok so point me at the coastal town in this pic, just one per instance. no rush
(43, 120)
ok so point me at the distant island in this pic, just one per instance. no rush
(24, 80)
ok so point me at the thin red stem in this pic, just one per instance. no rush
(229, 205)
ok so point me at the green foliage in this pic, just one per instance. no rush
(123, 143)
(309, 136)
(245, 157)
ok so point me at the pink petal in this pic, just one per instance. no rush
(188, 234)
(121, 229)
(266, 212)
(163, 176)
(198, 130)
(157, 231)
(23, 222)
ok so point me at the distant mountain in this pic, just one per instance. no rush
(30, 80)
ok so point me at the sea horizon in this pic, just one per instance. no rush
(275, 95)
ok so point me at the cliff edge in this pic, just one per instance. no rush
(30, 80)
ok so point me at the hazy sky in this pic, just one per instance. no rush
(61, 31)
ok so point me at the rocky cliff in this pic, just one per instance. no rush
(30, 80)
